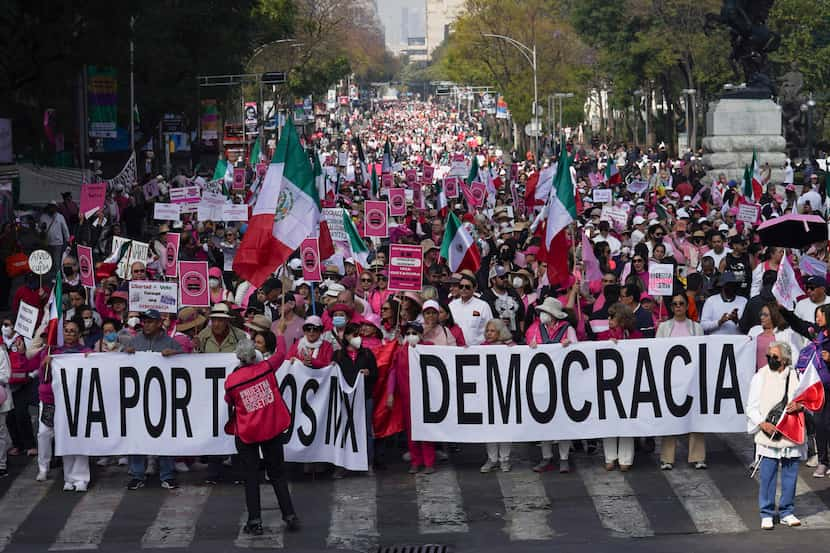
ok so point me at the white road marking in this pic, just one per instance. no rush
(700, 496)
(527, 505)
(615, 501)
(86, 524)
(272, 525)
(19, 501)
(354, 514)
(175, 524)
(440, 507)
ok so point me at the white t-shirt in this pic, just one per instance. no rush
(471, 316)
(805, 309)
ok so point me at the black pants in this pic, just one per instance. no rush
(5, 287)
(821, 420)
(273, 456)
(18, 420)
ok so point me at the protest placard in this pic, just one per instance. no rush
(186, 195)
(748, 213)
(310, 258)
(93, 195)
(235, 212)
(86, 266)
(602, 195)
(152, 294)
(405, 267)
(26, 322)
(375, 219)
(167, 212)
(193, 283)
(660, 279)
(171, 255)
(238, 178)
(397, 202)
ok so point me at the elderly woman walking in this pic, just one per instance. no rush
(772, 390)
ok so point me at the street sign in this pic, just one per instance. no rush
(40, 262)
(273, 77)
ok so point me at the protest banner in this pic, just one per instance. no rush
(146, 404)
(171, 255)
(86, 266)
(238, 178)
(185, 195)
(375, 219)
(478, 191)
(152, 294)
(429, 173)
(652, 387)
(193, 284)
(334, 219)
(26, 322)
(235, 212)
(451, 187)
(748, 213)
(406, 266)
(167, 212)
(397, 202)
(602, 195)
(310, 258)
(660, 279)
(93, 195)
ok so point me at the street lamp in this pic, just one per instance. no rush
(530, 56)
(807, 108)
(689, 92)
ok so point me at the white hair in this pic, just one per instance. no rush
(246, 352)
(786, 352)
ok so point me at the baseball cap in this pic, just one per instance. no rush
(497, 271)
(816, 281)
(431, 304)
(638, 220)
(151, 314)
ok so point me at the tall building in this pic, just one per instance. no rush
(439, 19)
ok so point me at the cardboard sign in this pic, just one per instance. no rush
(93, 195)
(451, 187)
(748, 213)
(429, 173)
(478, 191)
(171, 255)
(167, 212)
(397, 202)
(617, 215)
(602, 195)
(406, 265)
(26, 322)
(86, 266)
(40, 262)
(238, 178)
(637, 186)
(334, 219)
(193, 283)
(261, 169)
(375, 219)
(411, 177)
(123, 265)
(235, 212)
(310, 259)
(342, 159)
(151, 294)
(660, 279)
(186, 195)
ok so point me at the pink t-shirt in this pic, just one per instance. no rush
(680, 329)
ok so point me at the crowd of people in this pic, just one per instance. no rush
(724, 283)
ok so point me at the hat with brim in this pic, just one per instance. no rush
(220, 311)
(260, 323)
(552, 307)
(414, 296)
(189, 317)
(335, 307)
(120, 295)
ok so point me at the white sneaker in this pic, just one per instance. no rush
(791, 521)
(812, 462)
(41, 476)
(152, 466)
(181, 466)
(81, 486)
(766, 523)
(123, 461)
(68, 487)
(488, 466)
(506, 466)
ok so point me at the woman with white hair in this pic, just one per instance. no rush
(258, 420)
(770, 393)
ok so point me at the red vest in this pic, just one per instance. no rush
(260, 413)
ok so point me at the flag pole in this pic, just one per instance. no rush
(313, 302)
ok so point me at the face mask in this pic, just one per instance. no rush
(355, 342)
(214, 282)
(132, 322)
(87, 323)
(69, 271)
(774, 363)
(339, 321)
(518, 282)
(8, 331)
(545, 318)
(110, 336)
(413, 339)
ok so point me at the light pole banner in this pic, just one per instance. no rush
(144, 403)
(655, 387)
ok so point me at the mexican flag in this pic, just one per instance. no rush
(810, 392)
(473, 175)
(753, 184)
(357, 247)
(319, 177)
(286, 212)
(441, 203)
(107, 267)
(561, 211)
(220, 170)
(54, 328)
(458, 247)
(256, 152)
(364, 168)
(612, 173)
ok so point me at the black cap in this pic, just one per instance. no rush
(151, 314)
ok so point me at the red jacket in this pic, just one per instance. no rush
(260, 413)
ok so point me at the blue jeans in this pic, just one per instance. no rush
(769, 476)
(138, 464)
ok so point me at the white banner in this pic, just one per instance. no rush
(26, 322)
(151, 294)
(144, 403)
(167, 212)
(656, 387)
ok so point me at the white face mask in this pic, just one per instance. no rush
(355, 342)
(87, 323)
(413, 339)
(214, 282)
(545, 318)
(518, 282)
(8, 331)
(132, 322)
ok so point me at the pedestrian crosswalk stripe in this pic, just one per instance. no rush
(440, 507)
(86, 524)
(354, 514)
(175, 524)
(614, 500)
(527, 505)
(708, 509)
(19, 501)
(272, 525)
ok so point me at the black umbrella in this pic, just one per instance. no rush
(793, 231)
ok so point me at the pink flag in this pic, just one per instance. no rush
(590, 261)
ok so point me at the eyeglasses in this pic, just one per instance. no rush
(312, 328)
(678, 304)
(382, 277)
(466, 286)
(659, 235)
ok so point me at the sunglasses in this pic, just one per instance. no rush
(412, 334)
(638, 260)
(466, 286)
(366, 280)
(659, 235)
(678, 304)
(381, 277)
(312, 328)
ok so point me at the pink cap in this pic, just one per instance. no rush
(215, 272)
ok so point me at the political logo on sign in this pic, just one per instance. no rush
(86, 266)
(239, 178)
(397, 202)
(411, 177)
(171, 256)
(261, 169)
(40, 262)
(451, 187)
(660, 279)
(375, 219)
(310, 259)
(387, 180)
(429, 172)
(193, 283)
(477, 192)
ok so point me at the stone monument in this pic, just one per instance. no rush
(745, 118)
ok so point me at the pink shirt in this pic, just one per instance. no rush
(680, 329)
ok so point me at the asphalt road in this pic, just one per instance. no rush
(643, 510)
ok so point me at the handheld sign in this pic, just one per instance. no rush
(150, 294)
(238, 178)
(92, 197)
(167, 212)
(193, 283)
(171, 255)
(411, 177)
(40, 262)
(748, 213)
(405, 267)
(660, 279)
(375, 217)
(310, 259)
(451, 187)
(429, 172)
(87, 267)
(602, 195)
(397, 202)
(26, 321)
(478, 191)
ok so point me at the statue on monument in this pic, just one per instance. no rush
(752, 41)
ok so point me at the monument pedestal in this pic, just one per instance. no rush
(735, 127)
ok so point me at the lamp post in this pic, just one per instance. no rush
(807, 109)
(690, 94)
(530, 56)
